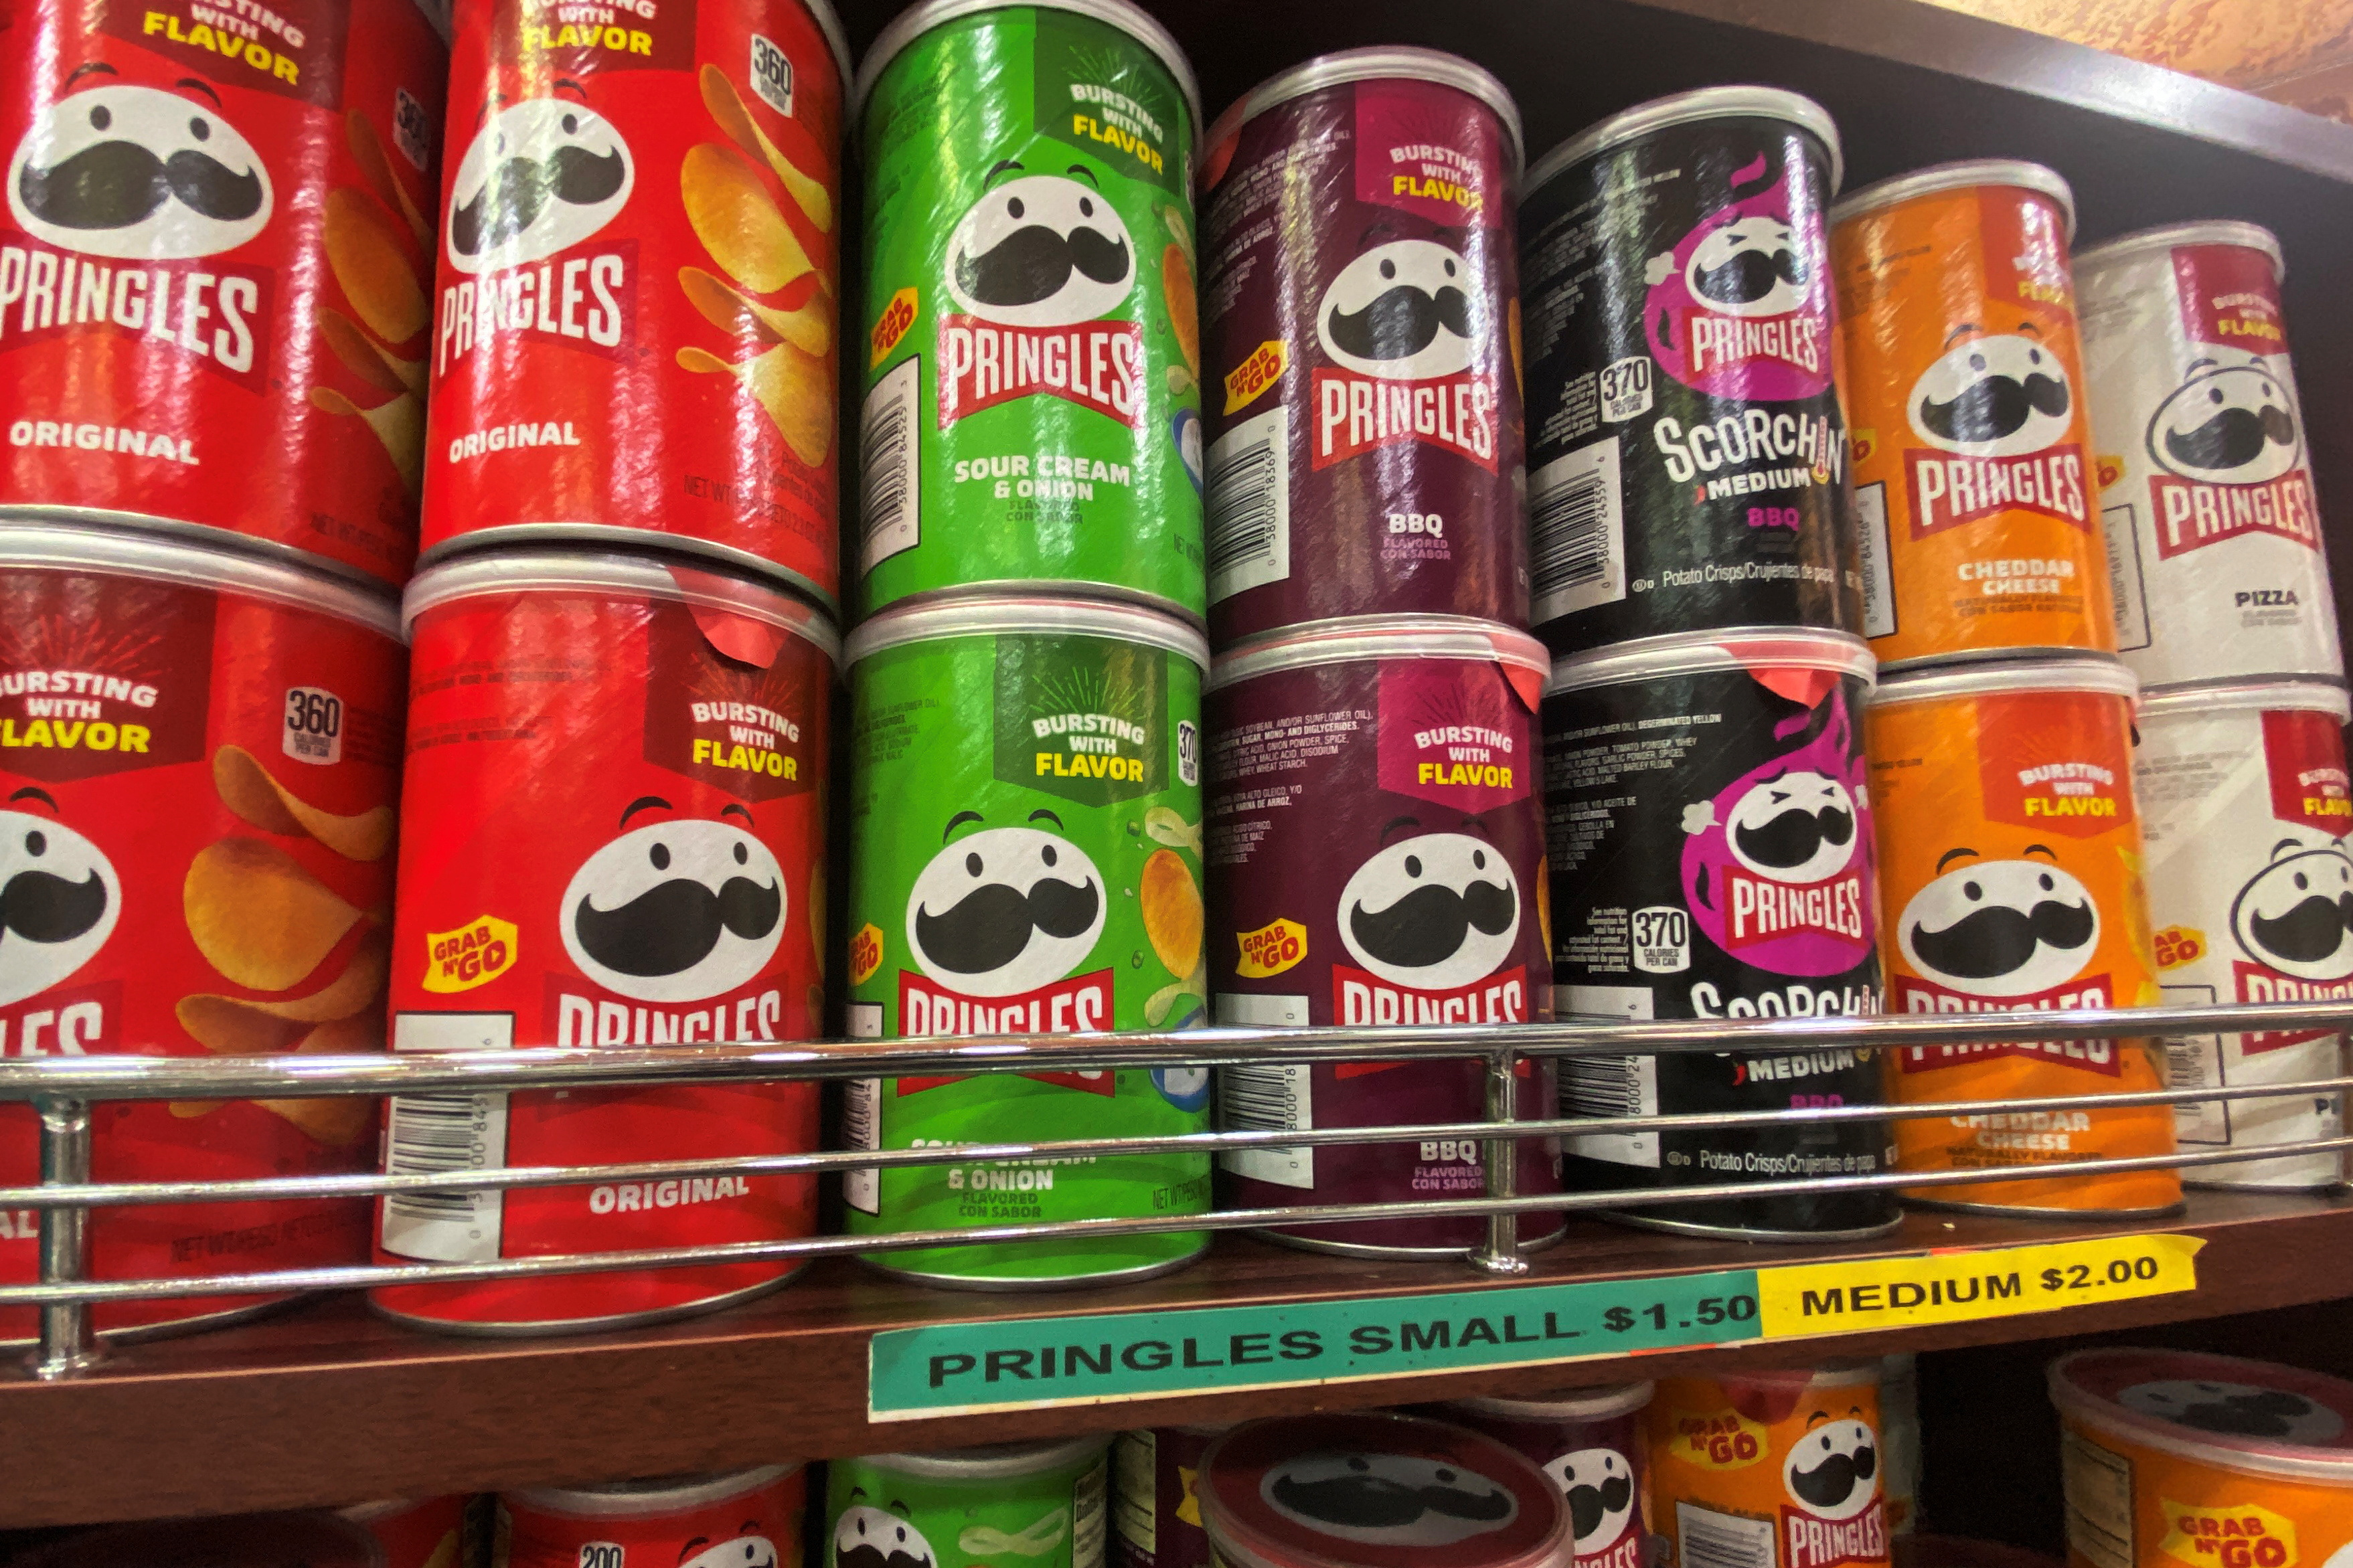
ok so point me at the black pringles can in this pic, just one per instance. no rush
(1708, 829)
(1686, 453)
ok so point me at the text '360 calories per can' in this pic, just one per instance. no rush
(1379, 844)
(199, 754)
(1033, 349)
(1025, 857)
(1974, 490)
(614, 835)
(2245, 805)
(2011, 880)
(216, 268)
(1710, 838)
(1362, 327)
(1686, 453)
(2213, 526)
(634, 335)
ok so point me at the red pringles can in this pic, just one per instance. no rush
(199, 753)
(1377, 855)
(634, 334)
(744, 1518)
(615, 794)
(216, 266)
(1363, 342)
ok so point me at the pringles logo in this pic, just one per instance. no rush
(997, 923)
(2229, 454)
(1739, 307)
(1400, 328)
(1993, 411)
(1835, 1514)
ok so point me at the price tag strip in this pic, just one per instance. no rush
(1026, 1364)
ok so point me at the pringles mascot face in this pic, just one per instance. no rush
(1005, 910)
(59, 900)
(1040, 250)
(2295, 915)
(1388, 1499)
(2226, 424)
(540, 176)
(1833, 1471)
(2000, 395)
(1399, 312)
(1431, 913)
(2236, 1409)
(2001, 928)
(676, 911)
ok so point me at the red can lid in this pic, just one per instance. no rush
(1377, 1491)
(2217, 1409)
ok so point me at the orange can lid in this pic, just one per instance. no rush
(1958, 176)
(2212, 1409)
(1935, 680)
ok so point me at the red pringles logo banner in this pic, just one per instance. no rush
(1095, 364)
(2303, 754)
(587, 1014)
(1817, 1542)
(586, 302)
(1360, 997)
(2258, 983)
(215, 312)
(2049, 762)
(1451, 737)
(1068, 1006)
(2090, 991)
(1356, 414)
(1948, 491)
(1758, 909)
(2190, 515)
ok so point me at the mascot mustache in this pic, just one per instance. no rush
(1995, 407)
(520, 189)
(117, 184)
(672, 926)
(1034, 262)
(1999, 939)
(987, 928)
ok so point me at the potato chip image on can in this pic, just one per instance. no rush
(2213, 528)
(198, 762)
(216, 270)
(1975, 487)
(744, 1518)
(2011, 880)
(615, 807)
(633, 331)
(2172, 1458)
(1787, 1468)
(2245, 805)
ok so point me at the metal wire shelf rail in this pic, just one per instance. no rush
(64, 1090)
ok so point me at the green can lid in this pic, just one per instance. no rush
(992, 614)
(995, 1462)
(916, 20)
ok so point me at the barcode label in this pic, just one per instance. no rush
(1706, 1539)
(1610, 1085)
(2195, 1061)
(441, 1134)
(1269, 1098)
(1878, 566)
(1576, 529)
(861, 1127)
(2126, 591)
(1250, 505)
(890, 502)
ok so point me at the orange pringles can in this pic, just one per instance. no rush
(2179, 1459)
(1770, 1470)
(1975, 491)
(2011, 880)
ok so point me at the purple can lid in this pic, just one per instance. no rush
(1354, 638)
(1373, 65)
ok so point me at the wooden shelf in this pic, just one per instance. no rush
(326, 1405)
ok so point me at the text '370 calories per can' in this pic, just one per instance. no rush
(2212, 525)
(216, 268)
(1974, 490)
(1686, 454)
(614, 835)
(634, 335)
(1709, 829)
(1033, 348)
(1378, 838)
(1362, 327)
(1025, 857)
(2011, 880)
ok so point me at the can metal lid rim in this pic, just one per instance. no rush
(1350, 638)
(1682, 108)
(2099, 673)
(562, 571)
(994, 1461)
(1938, 177)
(2255, 693)
(1371, 65)
(828, 22)
(67, 546)
(616, 1498)
(2202, 231)
(2270, 1459)
(916, 20)
(1595, 1403)
(1688, 653)
(985, 615)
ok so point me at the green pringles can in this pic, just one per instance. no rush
(1041, 1505)
(1025, 857)
(1031, 419)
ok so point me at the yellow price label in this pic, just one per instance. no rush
(1967, 1283)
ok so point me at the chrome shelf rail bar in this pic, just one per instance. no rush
(63, 1092)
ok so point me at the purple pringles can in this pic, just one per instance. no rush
(1590, 1442)
(1361, 343)
(1376, 846)
(1155, 1513)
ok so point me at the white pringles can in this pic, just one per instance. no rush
(2245, 807)
(2214, 531)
